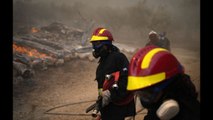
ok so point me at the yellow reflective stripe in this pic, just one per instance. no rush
(100, 91)
(135, 83)
(95, 38)
(148, 57)
(101, 31)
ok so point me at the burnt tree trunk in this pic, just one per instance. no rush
(22, 70)
(44, 42)
(21, 58)
(41, 48)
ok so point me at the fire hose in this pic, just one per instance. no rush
(79, 114)
(95, 108)
(72, 114)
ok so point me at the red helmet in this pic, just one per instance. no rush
(152, 65)
(101, 34)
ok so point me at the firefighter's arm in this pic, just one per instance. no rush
(120, 92)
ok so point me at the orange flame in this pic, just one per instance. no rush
(34, 30)
(28, 51)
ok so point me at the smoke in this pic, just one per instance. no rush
(129, 20)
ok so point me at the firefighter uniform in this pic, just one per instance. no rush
(112, 60)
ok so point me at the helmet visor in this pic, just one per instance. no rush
(99, 44)
(149, 95)
(153, 94)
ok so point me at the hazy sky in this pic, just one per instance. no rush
(129, 20)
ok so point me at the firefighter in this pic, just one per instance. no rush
(162, 86)
(165, 41)
(117, 103)
(159, 40)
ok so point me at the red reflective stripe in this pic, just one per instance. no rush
(108, 84)
(116, 75)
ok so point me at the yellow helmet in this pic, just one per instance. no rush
(101, 34)
(152, 65)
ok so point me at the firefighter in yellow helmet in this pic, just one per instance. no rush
(117, 103)
(162, 86)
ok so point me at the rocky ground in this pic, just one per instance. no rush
(72, 83)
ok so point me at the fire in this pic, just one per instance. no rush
(34, 30)
(28, 51)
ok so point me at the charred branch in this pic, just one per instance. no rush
(41, 48)
(22, 70)
(44, 42)
(21, 58)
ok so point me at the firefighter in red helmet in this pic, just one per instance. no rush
(162, 86)
(117, 102)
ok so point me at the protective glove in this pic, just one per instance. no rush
(105, 98)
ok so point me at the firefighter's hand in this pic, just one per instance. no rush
(105, 98)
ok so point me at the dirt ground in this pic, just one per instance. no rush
(72, 83)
